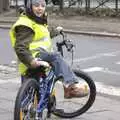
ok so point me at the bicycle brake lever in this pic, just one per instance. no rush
(69, 45)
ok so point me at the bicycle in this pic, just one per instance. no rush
(37, 98)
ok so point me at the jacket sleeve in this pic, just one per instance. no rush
(23, 39)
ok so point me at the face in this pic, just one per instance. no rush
(38, 9)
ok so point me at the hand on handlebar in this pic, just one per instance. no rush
(36, 63)
(59, 29)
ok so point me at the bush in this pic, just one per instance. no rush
(99, 12)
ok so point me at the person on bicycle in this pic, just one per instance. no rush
(30, 35)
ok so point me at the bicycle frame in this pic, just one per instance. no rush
(38, 92)
(46, 80)
(46, 88)
(46, 85)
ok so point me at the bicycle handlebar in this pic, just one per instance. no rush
(65, 42)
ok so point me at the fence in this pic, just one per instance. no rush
(108, 4)
(87, 5)
(113, 5)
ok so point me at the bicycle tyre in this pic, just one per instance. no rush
(25, 86)
(88, 104)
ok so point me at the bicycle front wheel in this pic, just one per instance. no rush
(69, 108)
(26, 101)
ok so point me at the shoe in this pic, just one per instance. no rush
(75, 90)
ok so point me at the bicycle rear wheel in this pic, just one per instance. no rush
(26, 101)
(69, 108)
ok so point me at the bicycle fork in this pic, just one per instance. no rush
(45, 91)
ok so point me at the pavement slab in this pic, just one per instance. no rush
(104, 107)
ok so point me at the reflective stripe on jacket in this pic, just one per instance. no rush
(41, 38)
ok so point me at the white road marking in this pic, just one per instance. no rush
(3, 81)
(14, 80)
(93, 69)
(118, 62)
(107, 89)
(106, 70)
(100, 55)
(101, 87)
(7, 68)
(101, 69)
(13, 62)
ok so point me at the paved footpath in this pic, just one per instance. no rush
(74, 24)
(104, 108)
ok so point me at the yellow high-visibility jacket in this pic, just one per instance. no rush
(41, 38)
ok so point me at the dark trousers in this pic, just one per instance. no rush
(60, 67)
